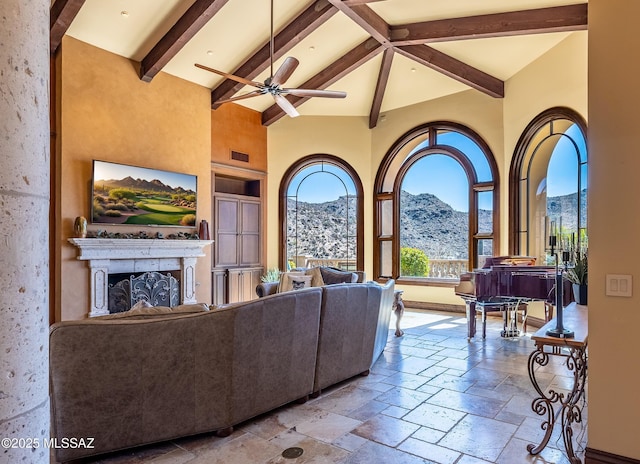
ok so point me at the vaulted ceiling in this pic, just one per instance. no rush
(385, 54)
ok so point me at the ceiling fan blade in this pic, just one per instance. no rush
(253, 93)
(284, 71)
(315, 93)
(239, 79)
(286, 106)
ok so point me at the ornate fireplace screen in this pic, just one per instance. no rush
(154, 287)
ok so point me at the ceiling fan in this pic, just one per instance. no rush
(273, 84)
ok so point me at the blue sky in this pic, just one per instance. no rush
(107, 171)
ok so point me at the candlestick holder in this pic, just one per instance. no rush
(559, 331)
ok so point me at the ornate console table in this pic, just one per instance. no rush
(575, 351)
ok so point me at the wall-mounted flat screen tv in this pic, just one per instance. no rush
(124, 194)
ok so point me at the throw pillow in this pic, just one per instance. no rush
(334, 276)
(295, 282)
(316, 277)
(282, 283)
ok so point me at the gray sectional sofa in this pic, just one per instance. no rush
(142, 378)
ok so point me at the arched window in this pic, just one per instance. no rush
(549, 184)
(321, 213)
(436, 197)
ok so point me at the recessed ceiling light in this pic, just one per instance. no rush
(312, 48)
(209, 52)
(124, 14)
(413, 69)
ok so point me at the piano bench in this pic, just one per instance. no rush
(509, 317)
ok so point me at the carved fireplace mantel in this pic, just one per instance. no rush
(113, 256)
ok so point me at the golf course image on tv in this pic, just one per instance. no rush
(123, 194)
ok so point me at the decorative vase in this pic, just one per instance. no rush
(203, 233)
(80, 227)
(580, 293)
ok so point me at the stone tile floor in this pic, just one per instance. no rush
(432, 397)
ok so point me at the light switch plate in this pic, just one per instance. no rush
(619, 285)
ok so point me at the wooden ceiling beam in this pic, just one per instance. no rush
(328, 76)
(381, 86)
(292, 34)
(194, 19)
(359, 2)
(543, 20)
(367, 19)
(61, 15)
(454, 68)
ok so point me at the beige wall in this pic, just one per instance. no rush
(614, 221)
(290, 139)
(106, 112)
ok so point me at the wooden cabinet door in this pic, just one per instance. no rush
(234, 286)
(219, 286)
(227, 227)
(249, 237)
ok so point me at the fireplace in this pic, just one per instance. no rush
(117, 256)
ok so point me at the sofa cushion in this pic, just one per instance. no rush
(334, 276)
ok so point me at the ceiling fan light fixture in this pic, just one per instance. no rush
(273, 84)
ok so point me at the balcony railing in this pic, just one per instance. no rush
(447, 268)
(438, 268)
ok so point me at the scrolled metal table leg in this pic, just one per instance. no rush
(544, 403)
(571, 413)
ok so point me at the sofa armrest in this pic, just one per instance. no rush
(266, 288)
(384, 316)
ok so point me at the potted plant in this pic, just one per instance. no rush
(577, 275)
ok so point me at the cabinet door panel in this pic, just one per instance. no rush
(226, 235)
(249, 250)
(250, 217)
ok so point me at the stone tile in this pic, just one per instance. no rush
(404, 398)
(410, 381)
(314, 451)
(451, 382)
(465, 402)
(414, 365)
(429, 451)
(350, 442)
(376, 453)
(386, 430)
(479, 436)
(458, 364)
(435, 417)
(471, 460)
(516, 451)
(246, 448)
(395, 411)
(429, 435)
(368, 410)
(434, 371)
(346, 399)
(327, 426)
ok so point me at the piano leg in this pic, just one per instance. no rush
(471, 319)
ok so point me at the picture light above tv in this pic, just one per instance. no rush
(132, 195)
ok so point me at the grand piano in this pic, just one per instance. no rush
(506, 284)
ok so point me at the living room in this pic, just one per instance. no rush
(103, 109)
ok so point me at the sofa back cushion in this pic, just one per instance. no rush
(332, 276)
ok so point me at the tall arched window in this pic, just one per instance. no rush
(321, 214)
(436, 205)
(549, 184)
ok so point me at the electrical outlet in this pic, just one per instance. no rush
(618, 285)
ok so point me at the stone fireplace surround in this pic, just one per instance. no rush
(115, 256)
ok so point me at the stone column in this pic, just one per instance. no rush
(24, 228)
